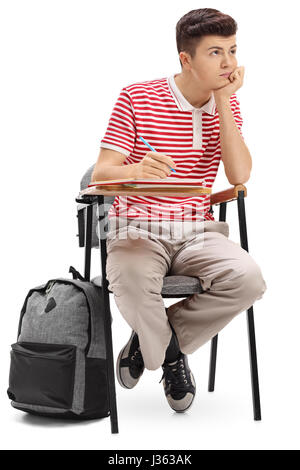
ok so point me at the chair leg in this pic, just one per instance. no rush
(212, 363)
(253, 365)
(214, 341)
(250, 317)
(107, 322)
(88, 241)
(110, 362)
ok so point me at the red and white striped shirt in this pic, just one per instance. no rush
(158, 111)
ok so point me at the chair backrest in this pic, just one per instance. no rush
(108, 201)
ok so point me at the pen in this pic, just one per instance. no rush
(153, 150)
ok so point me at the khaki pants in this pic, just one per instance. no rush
(141, 253)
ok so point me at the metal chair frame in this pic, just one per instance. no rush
(85, 224)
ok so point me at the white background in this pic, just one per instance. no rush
(63, 66)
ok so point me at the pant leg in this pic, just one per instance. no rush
(232, 282)
(135, 270)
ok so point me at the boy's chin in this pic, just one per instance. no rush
(219, 87)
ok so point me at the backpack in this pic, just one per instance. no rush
(58, 364)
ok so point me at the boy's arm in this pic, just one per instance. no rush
(117, 143)
(234, 152)
(109, 166)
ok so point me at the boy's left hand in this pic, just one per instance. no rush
(236, 81)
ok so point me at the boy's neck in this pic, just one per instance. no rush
(191, 91)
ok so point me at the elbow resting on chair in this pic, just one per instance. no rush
(240, 179)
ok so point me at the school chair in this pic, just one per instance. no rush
(173, 286)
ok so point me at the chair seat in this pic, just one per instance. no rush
(173, 285)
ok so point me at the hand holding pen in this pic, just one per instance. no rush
(155, 164)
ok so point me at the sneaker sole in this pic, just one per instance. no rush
(118, 364)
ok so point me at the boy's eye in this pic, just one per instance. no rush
(234, 51)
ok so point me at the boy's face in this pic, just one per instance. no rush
(215, 55)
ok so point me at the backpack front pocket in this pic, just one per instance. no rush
(42, 374)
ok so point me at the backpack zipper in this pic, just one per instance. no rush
(49, 287)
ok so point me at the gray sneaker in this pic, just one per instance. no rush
(179, 384)
(130, 363)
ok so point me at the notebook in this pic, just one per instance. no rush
(169, 182)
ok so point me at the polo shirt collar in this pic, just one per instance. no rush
(184, 105)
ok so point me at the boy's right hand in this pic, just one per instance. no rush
(154, 165)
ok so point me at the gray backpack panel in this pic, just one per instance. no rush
(58, 365)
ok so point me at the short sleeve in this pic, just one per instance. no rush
(120, 134)
(237, 115)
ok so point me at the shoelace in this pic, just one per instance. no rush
(136, 360)
(175, 374)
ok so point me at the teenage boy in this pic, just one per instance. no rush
(193, 120)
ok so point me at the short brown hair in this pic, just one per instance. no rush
(202, 22)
